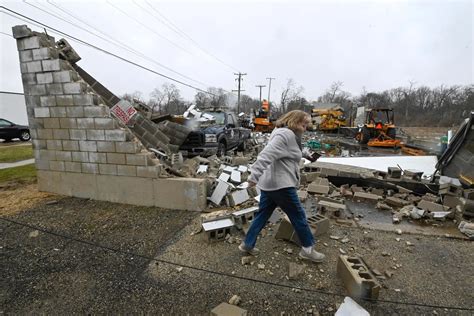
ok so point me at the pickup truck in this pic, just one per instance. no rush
(216, 138)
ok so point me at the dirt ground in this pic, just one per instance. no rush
(102, 257)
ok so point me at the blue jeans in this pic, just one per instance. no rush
(288, 201)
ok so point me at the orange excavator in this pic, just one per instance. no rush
(262, 121)
(379, 129)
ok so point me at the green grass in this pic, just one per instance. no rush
(25, 173)
(15, 153)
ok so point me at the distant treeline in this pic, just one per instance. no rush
(442, 106)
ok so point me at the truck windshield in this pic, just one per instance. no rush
(220, 117)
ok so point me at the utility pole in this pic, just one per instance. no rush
(239, 79)
(260, 86)
(269, 87)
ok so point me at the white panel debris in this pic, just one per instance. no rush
(243, 168)
(218, 224)
(239, 197)
(350, 308)
(224, 177)
(229, 169)
(219, 193)
(235, 176)
(202, 169)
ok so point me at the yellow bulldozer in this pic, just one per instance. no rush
(328, 120)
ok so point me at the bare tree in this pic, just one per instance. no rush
(167, 99)
(290, 93)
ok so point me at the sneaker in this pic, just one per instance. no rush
(252, 251)
(313, 256)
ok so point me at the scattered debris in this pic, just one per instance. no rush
(350, 308)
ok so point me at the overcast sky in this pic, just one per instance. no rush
(373, 44)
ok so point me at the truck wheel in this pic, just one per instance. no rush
(25, 136)
(221, 149)
(363, 136)
(243, 146)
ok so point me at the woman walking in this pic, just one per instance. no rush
(277, 174)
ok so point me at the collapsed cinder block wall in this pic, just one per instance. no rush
(80, 149)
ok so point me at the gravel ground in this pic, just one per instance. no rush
(43, 273)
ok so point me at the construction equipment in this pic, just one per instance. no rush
(262, 121)
(379, 129)
(328, 119)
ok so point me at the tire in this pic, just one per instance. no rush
(221, 149)
(363, 136)
(7, 140)
(25, 136)
(243, 146)
(392, 133)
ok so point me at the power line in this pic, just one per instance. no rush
(260, 86)
(23, 17)
(11, 92)
(269, 87)
(174, 28)
(120, 45)
(311, 290)
(149, 28)
(7, 34)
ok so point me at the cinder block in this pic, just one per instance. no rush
(127, 147)
(45, 133)
(451, 201)
(451, 189)
(29, 79)
(357, 278)
(431, 206)
(28, 43)
(87, 145)
(318, 224)
(90, 168)
(68, 183)
(54, 144)
(23, 68)
(52, 65)
(124, 170)
(105, 147)
(86, 123)
(26, 56)
(317, 188)
(225, 309)
(77, 134)
(80, 156)
(115, 135)
(70, 145)
(136, 159)
(85, 100)
(96, 111)
(393, 201)
(48, 100)
(147, 172)
(51, 123)
(114, 158)
(130, 190)
(97, 157)
(367, 197)
(54, 88)
(38, 144)
(56, 165)
(75, 111)
(104, 123)
(21, 31)
(45, 77)
(72, 166)
(58, 112)
(394, 172)
(64, 76)
(180, 193)
(42, 164)
(68, 123)
(33, 67)
(36, 89)
(244, 217)
(74, 87)
(95, 134)
(44, 53)
(46, 155)
(108, 169)
(63, 155)
(61, 134)
(64, 100)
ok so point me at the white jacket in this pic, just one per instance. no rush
(277, 166)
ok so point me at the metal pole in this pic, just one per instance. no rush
(269, 87)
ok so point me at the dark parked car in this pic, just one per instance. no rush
(9, 130)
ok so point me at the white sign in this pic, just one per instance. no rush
(123, 110)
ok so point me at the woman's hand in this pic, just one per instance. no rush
(251, 184)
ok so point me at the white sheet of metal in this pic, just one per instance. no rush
(381, 163)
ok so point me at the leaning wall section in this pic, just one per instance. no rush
(80, 149)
